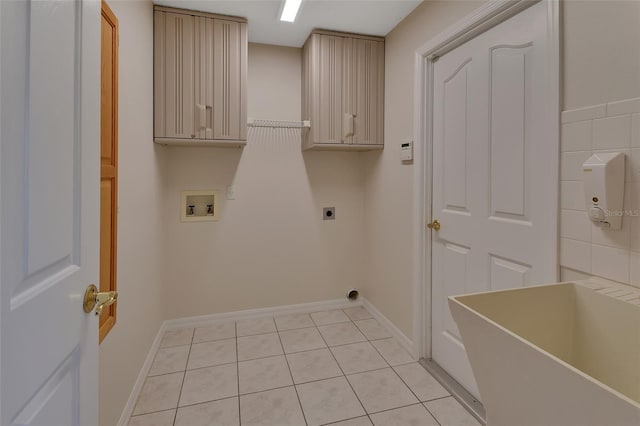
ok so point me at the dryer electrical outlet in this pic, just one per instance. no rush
(329, 213)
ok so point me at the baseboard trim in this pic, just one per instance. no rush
(402, 338)
(142, 375)
(261, 312)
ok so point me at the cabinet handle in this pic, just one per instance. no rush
(347, 125)
(202, 117)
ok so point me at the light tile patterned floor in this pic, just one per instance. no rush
(337, 367)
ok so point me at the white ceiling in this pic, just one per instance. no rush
(373, 17)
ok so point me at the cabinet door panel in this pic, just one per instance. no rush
(203, 84)
(329, 89)
(174, 75)
(229, 65)
(349, 88)
(369, 100)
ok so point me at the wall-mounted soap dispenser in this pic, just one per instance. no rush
(603, 176)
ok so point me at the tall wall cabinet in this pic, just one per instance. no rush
(200, 78)
(343, 91)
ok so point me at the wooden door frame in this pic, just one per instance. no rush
(485, 17)
(111, 310)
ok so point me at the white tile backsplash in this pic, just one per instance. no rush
(628, 106)
(576, 136)
(635, 130)
(618, 238)
(634, 195)
(572, 195)
(612, 132)
(635, 268)
(575, 254)
(571, 164)
(585, 248)
(575, 225)
(611, 263)
(634, 243)
(586, 113)
(634, 166)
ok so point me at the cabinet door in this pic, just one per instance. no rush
(369, 101)
(228, 97)
(174, 76)
(328, 90)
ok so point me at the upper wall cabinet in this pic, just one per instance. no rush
(343, 91)
(200, 78)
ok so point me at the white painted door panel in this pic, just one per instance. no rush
(49, 211)
(493, 173)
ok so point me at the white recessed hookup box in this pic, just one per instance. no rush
(199, 206)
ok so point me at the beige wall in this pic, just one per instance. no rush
(141, 242)
(388, 182)
(601, 60)
(601, 51)
(271, 246)
(602, 68)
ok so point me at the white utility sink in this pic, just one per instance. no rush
(564, 354)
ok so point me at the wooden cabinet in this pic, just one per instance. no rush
(343, 91)
(200, 75)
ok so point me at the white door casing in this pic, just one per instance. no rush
(492, 122)
(49, 211)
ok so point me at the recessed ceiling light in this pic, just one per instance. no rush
(290, 10)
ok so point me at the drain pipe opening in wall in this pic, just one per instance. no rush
(352, 294)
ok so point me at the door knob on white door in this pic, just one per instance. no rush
(95, 299)
(435, 225)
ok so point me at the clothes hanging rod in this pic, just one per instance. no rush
(286, 124)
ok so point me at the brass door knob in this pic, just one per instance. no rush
(95, 299)
(435, 225)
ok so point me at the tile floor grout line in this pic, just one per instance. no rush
(198, 368)
(409, 387)
(304, 417)
(286, 353)
(238, 374)
(345, 420)
(405, 406)
(184, 376)
(432, 415)
(345, 376)
(438, 398)
(402, 406)
(295, 384)
(153, 412)
(366, 371)
(370, 316)
(399, 377)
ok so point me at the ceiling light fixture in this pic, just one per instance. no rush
(290, 10)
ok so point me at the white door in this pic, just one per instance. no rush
(495, 179)
(49, 215)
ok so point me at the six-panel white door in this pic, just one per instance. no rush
(49, 226)
(494, 172)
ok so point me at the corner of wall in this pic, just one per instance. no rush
(141, 244)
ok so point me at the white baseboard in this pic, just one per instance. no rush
(402, 338)
(142, 375)
(261, 312)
